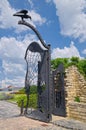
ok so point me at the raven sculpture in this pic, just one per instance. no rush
(22, 14)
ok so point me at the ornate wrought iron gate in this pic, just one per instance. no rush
(58, 91)
(38, 72)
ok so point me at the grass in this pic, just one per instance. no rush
(77, 99)
(5, 96)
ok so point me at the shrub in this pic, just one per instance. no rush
(33, 89)
(21, 98)
(31, 103)
(21, 91)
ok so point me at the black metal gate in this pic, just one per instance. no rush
(50, 95)
(58, 91)
(38, 72)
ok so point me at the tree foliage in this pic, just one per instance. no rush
(56, 62)
(82, 66)
(80, 63)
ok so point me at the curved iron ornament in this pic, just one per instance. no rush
(47, 105)
(36, 32)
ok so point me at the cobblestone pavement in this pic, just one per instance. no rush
(10, 119)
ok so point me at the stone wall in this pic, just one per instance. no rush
(77, 111)
(75, 86)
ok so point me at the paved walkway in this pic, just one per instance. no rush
(10, 119)
(8, 110)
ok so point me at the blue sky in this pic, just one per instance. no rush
(61, 23)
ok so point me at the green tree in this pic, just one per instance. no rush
(82, 66)
(80, 63)
(74, 61)
(58, 61)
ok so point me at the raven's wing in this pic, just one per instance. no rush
(23, 11)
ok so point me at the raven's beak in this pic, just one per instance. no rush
(15, 14)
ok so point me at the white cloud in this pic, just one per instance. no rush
(31, 3)
(12, 63)
(6, 15)
(84, 51)
(36, 18)
(9, 48)
(12, 69)
(72, 18)
(48, 1)
(12, 56)
(66, 52)
(8, 21)
(17, 82)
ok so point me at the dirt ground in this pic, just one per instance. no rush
(20, 123)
